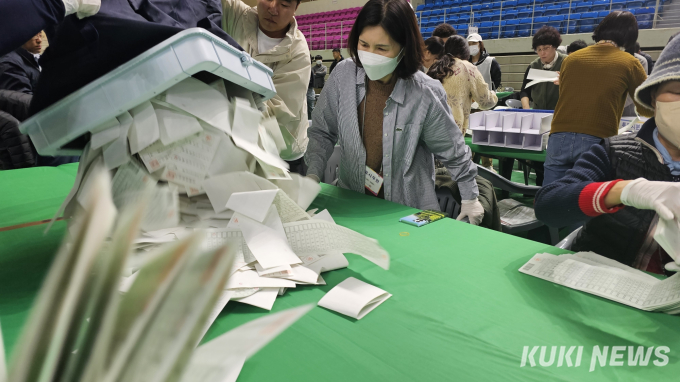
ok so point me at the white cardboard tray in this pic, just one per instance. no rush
(140, 79)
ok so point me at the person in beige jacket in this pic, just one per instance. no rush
(269, 33)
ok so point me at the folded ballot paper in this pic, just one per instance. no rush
(354, 298)
(598, 275)
(537, 76)
(201, 156)
(81, 328)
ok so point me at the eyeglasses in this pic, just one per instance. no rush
(540, 50)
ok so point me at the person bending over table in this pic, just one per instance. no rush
(269, 33)
(622, 186)
(389, 118)
(593, 83)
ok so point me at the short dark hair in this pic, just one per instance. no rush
(546, 36)
(444, 30)
(576, 45)
(318, 57)
(456, 47)
(336, 50)
(620, 27)
(435, 45)
(397, 18)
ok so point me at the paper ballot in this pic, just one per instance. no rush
(220, 188)
(144, 130)
(267, 240)
(202, 101)
(253, 204)
(539, 76)
(667, 234)
(221, 359)
(3, 365)
(245, 133)
(106, 133)
(174, 125)
(354, 298)
(618, 284)
(264, 298)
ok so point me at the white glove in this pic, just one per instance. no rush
(673, 267)
(662, 197)
(84, 8)
(473, 210)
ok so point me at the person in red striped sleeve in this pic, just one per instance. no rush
(624, 187)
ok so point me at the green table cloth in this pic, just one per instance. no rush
(460, 310)
(502, 152)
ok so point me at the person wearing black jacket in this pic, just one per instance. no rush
(337, 58)
(19, 70)
(650, 62)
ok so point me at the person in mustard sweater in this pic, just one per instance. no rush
(593, 84)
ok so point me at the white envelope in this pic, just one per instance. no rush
(220, 188)
(175, 126)
(116, 153)
(202, 101)
(330, 262)
(264, 298)
(250, 279)
(301, 189)
(267, 240)
(144, 130)
(106, 132)
(353, 298)
(253, 204)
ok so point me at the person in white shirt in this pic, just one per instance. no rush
(269, 33)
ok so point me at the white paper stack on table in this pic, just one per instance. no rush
(601, 276)
(82, 330)
(210, 160)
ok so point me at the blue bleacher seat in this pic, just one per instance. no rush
(552, 10)
(497, 29)
(485, 27)
(572, 23)
(650, 3)
(484, 16)
(510, 28)
(496, 5)
(524, 27)
(524, 12)
(601, 15)
(618, 5)
(645, 25)
(635, 4)
(438, 12)
(462, 29)
(477, 7)
(486, 7)
(565, 9)
(427, 13)
(428, 7)
(509, 4)
(602, 5)
(495, 15)
(588, 22)
(509, 15)
(438, 4)
(453, 11)
(448, 4)
(540, 21)
(465, 9)
(464, 18)
(524, 3)
(557, 22)
(452, 20)
(466, 2)
(644, 14)
(539, 11)
(583, 6)
(421, 7)
(457, 3)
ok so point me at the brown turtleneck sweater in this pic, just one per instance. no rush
(377, 95)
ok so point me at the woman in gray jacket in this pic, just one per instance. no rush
(389, 118)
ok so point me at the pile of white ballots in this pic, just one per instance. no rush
(211, 161)
(81, 329)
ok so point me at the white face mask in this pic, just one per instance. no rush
(377, 66)
(474, 49)
(668, 121)
(319, 62)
